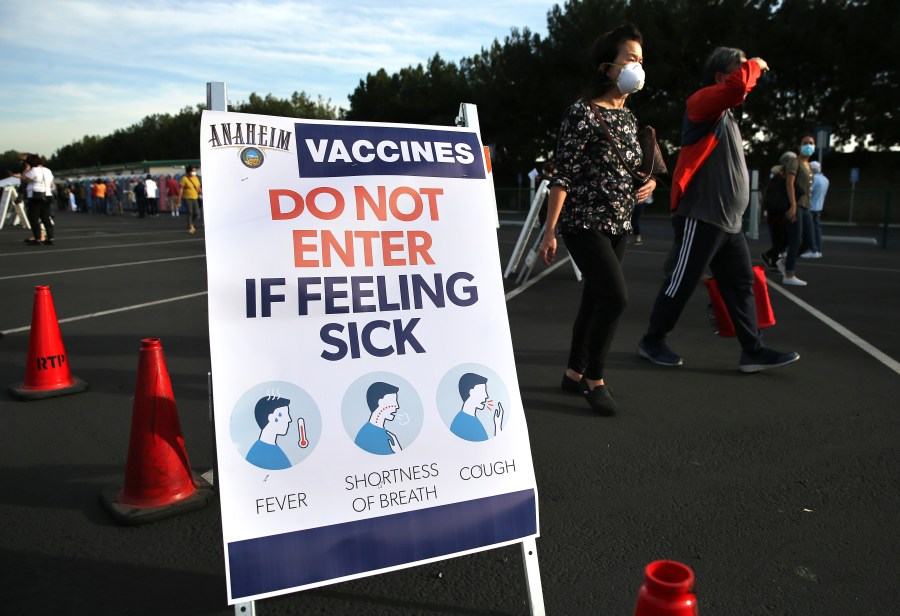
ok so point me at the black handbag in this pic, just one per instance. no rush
(775, 198)
(652, 161)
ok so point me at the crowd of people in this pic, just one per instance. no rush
(139, 196)
(142, 196)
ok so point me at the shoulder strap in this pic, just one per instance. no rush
(596, 109)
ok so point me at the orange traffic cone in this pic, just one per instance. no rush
(47, 371)
(158, 477)
(668, 590)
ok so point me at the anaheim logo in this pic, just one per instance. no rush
(252, 140)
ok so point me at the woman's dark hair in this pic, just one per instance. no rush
(719, 61)
(34, 160)
(188, 169)
(603, 52)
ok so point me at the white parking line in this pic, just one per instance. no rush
(887, 360)
(87, 269)
(113, 311)
(33, 252)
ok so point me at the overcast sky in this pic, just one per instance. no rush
(78, 67)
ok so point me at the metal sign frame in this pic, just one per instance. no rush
(532, 223)
(9, 197)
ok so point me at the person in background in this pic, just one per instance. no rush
(98, 196)
(798, 184)
(547, 171)
(152, 190)
(591, 198)
(140, 194)
(38, 181)
(636, 219)
(130, 199)
(189, 193)
(776, 205)
(113, 199)
(81, 196)
(817, 204)
(172, 190)
(710, 193)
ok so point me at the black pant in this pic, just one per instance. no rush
(39, 212)
(700, 245)
(604, 297)
(778, 234)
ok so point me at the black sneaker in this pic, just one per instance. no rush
(571, 385)
(765, 358)
(658, 352)
(769, 261)
(601, 401)
(48, 242)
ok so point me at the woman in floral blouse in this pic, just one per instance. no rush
(591, 199)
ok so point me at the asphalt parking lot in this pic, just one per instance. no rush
(779, 489)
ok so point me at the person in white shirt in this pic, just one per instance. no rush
(38, 181)
(152, 196)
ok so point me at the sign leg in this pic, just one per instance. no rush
(245, 609)
(533, 578)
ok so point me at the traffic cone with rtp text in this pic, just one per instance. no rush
(47, 372)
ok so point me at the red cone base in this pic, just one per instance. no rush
(158, 477)
(47, 371)
(667, 590)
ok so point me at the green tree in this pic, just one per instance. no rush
(833, 62)
(417, 95)
(10, 161)
(176, 137)
(300, 105)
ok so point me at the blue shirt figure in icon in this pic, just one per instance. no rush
(383, 407)
(466, 425)
(273, 414)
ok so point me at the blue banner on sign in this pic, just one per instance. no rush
(289, 560)
(329, 150)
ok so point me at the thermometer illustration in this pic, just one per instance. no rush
(301, 426)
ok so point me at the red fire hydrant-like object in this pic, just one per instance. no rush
(667, 590)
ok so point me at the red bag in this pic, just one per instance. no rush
(765, 317)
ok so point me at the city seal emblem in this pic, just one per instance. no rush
(252, 157)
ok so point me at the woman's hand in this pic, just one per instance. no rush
(792, 214)
(645, 191)
(548, 249)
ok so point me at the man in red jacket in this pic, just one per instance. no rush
(710, 192)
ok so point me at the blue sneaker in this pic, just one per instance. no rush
(765, 358)
(658, 352)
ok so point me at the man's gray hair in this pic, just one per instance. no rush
(718, 62)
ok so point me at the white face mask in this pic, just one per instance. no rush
(193, 173)
(631, 78)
